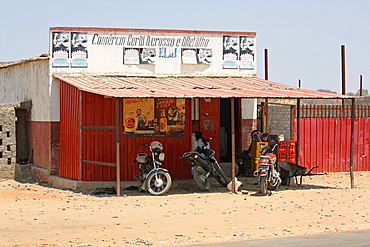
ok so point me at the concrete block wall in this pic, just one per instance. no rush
(7, 141)
(279, 121)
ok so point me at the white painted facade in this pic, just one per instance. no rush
(31, 81)
(103, 51)
(249, 108)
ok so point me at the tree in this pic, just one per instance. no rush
(365, 92)
(326, 90)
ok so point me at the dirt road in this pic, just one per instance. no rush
(35, 215)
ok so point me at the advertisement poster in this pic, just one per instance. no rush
(247, 50)
(139, 55)
(138, 116)
(196, 56)
(189, 56)
(131, 56)
(79, 50)
(147, 56)
(170, 114)
(149, 116)
(230, 52)
(204, 56)
(60, 49)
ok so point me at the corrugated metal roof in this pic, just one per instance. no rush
(189, 87)
(26, 60)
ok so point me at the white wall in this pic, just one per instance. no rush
(30, 81)
(108, 58)
(249, 108)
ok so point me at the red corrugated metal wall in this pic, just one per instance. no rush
(326, 142)
(69, 137)
(99, 145)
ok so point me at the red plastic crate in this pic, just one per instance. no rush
(287, 157)
(286, 147)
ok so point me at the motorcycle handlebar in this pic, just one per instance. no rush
(209, 139)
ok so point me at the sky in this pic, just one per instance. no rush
(303, 38)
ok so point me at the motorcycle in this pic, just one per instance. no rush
(268, 175)
(154, 179)
(203, 165)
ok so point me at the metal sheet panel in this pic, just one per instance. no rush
(69, 141)
(325, 142)
(99, 145)
(189, 87)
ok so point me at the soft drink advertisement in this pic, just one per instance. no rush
(160, 116)
(170, 114)
(138, 116)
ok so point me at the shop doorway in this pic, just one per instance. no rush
(225, 130)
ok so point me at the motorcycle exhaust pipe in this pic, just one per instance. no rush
(255, 173)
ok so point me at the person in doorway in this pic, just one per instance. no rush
(201, 141)
(246, 155)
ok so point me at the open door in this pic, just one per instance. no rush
(209, 116)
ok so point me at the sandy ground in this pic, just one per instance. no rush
(35, 215)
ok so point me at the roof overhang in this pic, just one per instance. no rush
(189, 87)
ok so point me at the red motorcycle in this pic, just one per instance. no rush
(268, 175)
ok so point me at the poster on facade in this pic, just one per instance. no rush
(196, 56)
(189, 56)
(147, 55)
(138, 116)
(131, 56)
(247, 51)
(79, 49)
(60, 49)
(204, 56)
(230, 52)
(170, 115)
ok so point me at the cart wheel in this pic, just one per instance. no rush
(284, 180)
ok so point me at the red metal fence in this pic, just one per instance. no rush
(325, 138)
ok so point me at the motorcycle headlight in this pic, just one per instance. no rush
(161, 157)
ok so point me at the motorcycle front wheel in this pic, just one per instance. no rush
(220, 175)
(160, 184)
(263, 185)
(277, 184)
(199, 175)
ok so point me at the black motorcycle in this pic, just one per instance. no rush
(204, 164)
(154, 179)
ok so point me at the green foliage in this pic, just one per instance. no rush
(365, 92)
(326, 90)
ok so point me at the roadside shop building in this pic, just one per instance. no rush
(101, 92)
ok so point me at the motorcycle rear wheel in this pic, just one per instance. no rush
(198, 175)
(164, 185)
(263, 185)
(220, 175)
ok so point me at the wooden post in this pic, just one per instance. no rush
(80, 165)
(118, 175)
(353, 113)
(298, 129)
(233, 145)
(265, 125)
